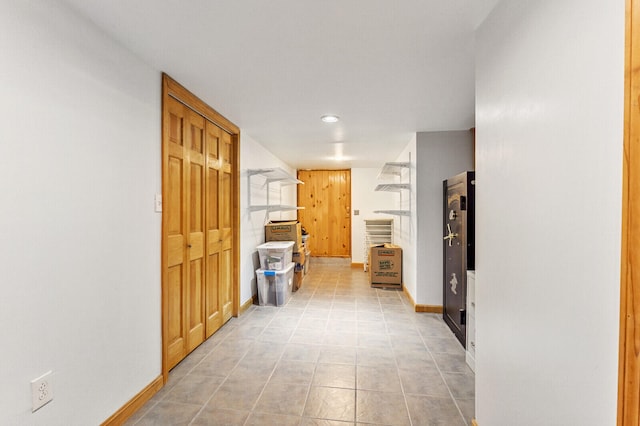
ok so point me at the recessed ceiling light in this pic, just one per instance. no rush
(329, 118)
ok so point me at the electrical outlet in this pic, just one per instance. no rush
(41, 391)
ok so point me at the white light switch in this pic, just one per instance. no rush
(158, 203)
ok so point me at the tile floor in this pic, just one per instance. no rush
(339, 353)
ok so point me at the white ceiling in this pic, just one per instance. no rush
(387, 68)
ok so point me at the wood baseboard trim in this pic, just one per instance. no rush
(413, 302)
(357, 265)
(432, 309)
(246, 305)
(128, 409)
(474, 422)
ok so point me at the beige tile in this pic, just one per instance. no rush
(427, 382)
(432, 411)
(275, 334)
(462, 385)
(468, 408)
(451, 363)
(301, 352)
(414, 359)
(282, 398)
(384, 379)
(381, 408)
(237, 395)
(170, 414)
(444, 345)
(331, 404)
(220, 417)
(340, 339)
(367, 340)
(337, 355)
(295, 372)
(323, 422)
(335, 375)
(194, 389)
(307, 336)
(262, 419)
(376, 357)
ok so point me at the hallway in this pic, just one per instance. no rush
(339, 353)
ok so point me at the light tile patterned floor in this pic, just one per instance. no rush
(339, 353)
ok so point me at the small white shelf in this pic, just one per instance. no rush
(392, 187)
(393, 169)
(272, 175)
(274, 208)
(394, 212)
(275, 175)
(376, 231)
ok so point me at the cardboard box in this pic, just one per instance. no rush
(385, 265)
(299, 259)
(298, 276)
(284, 231)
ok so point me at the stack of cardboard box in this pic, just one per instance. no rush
(290, 231)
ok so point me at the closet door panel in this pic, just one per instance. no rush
(195, 246)
(225, 205)
(213, 316)
(175, 229)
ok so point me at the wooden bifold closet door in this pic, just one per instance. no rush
(198, 198)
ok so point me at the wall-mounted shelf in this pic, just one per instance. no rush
(394, 212)
(275, 174)
(392, 187)
(394, 170)
(270, 176)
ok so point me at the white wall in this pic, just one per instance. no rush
(255, 156)
(549, 113)
(440, 155)
(405, 227)
(80, 252)
(366, 200)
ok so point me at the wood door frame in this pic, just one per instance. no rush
(173, 89)
(629, 354)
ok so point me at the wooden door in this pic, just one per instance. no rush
(214, 235)
(174, 226)
(200, 223)
(225, 208)
(326, 198)
(195, 165)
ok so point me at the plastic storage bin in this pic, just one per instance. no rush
(275, 255)
(275, 287)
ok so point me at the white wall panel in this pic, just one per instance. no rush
(549, 93)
